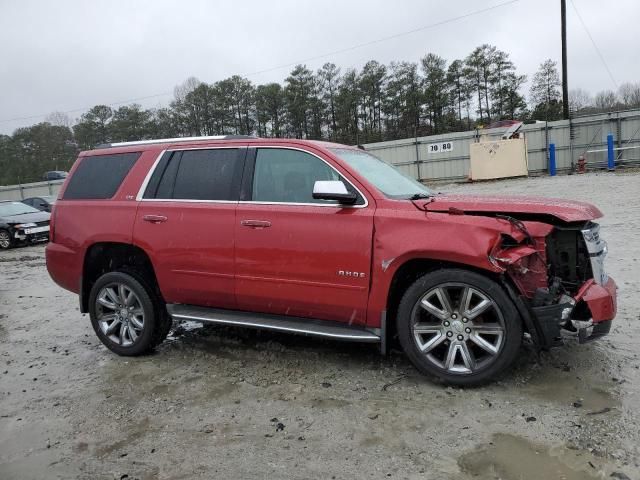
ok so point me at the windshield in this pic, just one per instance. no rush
(49, 198)
(386, 178)
(15, 208)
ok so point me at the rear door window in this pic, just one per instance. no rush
(211, 174)
(99, 176)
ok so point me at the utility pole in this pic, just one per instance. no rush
(565, 82)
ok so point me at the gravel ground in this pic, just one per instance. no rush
(225, 403)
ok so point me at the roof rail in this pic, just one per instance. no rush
(174, 140)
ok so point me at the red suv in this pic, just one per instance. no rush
(322, 239)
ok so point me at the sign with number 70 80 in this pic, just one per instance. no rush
(440, 147)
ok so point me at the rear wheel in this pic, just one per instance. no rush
(126, 315)
(6, 242)
(459, 326)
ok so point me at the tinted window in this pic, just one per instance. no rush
(161, 182)
(197, 175)
(288, 176)
(99, 176)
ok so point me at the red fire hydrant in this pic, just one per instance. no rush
(582, 164)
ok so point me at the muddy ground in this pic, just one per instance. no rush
(224, 403)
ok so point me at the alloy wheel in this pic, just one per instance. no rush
(120, 314)
(5, 239)
(458, 328)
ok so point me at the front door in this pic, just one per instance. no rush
(185, 221)
(296, 255)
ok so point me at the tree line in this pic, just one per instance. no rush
(376, 103)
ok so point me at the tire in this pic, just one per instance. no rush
(165, 322)
(459, 326)
(125, 313)
(6, 241)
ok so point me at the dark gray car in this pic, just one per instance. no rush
(20, 223)
(43, 203)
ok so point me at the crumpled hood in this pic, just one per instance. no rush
(565, 210)
(26, 218)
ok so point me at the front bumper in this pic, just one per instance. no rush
(600, 299)
(33, 234)
(588, 314)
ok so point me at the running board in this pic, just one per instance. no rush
(265, 321)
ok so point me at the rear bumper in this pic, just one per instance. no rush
(64, 266)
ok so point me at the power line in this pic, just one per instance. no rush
(595, 46)
(309, 59)
(384, 39)
(87, 108)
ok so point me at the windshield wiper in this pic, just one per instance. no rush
(418, 196)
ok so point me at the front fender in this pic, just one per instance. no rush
(465, 240)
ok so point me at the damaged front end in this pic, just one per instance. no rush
(559, 273)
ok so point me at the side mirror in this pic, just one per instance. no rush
(333, 190)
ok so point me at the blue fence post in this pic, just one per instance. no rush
(611, 162)
(552, 159)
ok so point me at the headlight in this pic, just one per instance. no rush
(25, 225)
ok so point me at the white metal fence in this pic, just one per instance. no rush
(446, 156)
(26, 190)
(425, 158)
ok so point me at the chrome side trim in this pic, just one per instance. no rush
(263, 321)
(288, 204)
(143, 187)
(185, 200)
(207, 147)
(169, 140)
(248, 202)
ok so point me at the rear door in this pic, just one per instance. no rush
(296, 255)
(185, 221)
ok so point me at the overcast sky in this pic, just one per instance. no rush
(70, 54)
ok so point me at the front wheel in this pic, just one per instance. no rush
(459, 326)
(6, 241)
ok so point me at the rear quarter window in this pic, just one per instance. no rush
(99, 176)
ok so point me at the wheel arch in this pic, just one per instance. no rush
(409, 271)
(103, 257)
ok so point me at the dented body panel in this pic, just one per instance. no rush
(465, 240)
(601, 299)
(565, 210)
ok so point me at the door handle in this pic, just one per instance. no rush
(154, 218)
(255, 223)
